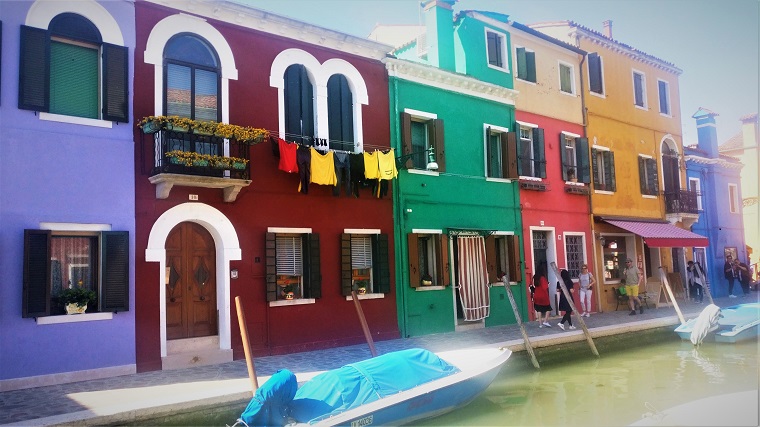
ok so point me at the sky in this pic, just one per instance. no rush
(714, 42)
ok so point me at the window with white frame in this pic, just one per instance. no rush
(55, 261)
(192, 78)
(595, 74)
(574, 156)
(340, 113)
(292, 265)
(496, 49)
(603, 165)
(502, 257)
(574, 253)
(526, 64)
(733, 198)
(422, 140)
(500, 153)
(530, 152)
(648, 177)
(663, 90)
(68, 69)
(695, 185)
(566, 78)
(428, 258)
(365, 266)
(639, 89)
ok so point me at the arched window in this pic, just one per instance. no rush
(191, 73)
(671, 170)
(340, 112)
(67, 69)
(299, 105)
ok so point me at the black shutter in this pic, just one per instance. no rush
(654, 182)
(595, 73)
(610, 165)
(114, 258)
(538, 152)
(34, 70)
(270, 258)
(530, 59)
(406, 139)
(509, 139)
(346, 267)
(582, 161)
(115, 83)
(307, 103)
(35, 299)
(312, 269)
(440, 148)
(381, 268)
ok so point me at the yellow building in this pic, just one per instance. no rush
(640, 203)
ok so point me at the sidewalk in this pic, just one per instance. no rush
(128, 398)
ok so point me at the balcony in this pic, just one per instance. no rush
(681, 206)
(213, 167)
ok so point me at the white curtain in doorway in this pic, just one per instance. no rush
(473, 278)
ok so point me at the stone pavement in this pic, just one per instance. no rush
(130, 398)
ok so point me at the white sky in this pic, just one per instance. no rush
(714, 42)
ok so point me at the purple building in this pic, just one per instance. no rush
(66, 190)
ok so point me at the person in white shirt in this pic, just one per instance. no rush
(587, 283)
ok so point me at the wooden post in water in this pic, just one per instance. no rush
(664, 280)
(524, 333)
(578, 318)
(363, 321)
(246, 345)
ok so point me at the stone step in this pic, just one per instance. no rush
(192, 344)
(189, 359)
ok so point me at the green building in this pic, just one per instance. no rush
(456, 200)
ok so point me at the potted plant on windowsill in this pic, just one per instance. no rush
(289, 291)
(76, 298)
(361, 286)
(571, 175)
(427, 280)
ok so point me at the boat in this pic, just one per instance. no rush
(392, 389)
(728, 325)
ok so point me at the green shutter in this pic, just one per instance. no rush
(642, 176)
(654, 182)
(406, 139)
(563, 160)
(539, 153)
(346, 270)
(270, 259)
(381, 268)
(74, 80)
(34, 70)
(595, 168)
(114, 285)
(440, 147)
(530, 58)
(35, 299)
(610, 172)
(522, 67)
(508, 155)
(582, 161)
(115, 83)
(412, 254)
(312, 269)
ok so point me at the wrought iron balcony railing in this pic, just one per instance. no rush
(199, 155)
(681, 202)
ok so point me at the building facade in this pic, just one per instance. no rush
(66, 191)
(205, 236)
(717, 180)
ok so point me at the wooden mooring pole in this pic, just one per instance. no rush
(246, 345)
(363, 321)
(524, 333)
(577, 316)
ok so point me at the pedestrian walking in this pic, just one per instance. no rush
(730, 274)
(541, 302)
(632, 278)
(586, 283)
(696, 281)
(742, 275)
(564, 305)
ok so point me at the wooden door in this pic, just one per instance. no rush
(190, 282)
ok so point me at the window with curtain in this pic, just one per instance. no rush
(192, 78)
(361, 261)
(289, 256)
(340, 113)
(292, 265)
(67, 69)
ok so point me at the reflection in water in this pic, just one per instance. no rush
(617, 389)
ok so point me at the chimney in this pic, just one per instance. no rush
(707, 134)
(750, 131)
(607, 28)
(439, 26)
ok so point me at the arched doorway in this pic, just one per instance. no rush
(190, 282)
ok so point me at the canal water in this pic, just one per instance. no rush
(638, 377)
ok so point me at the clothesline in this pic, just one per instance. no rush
(327, 141)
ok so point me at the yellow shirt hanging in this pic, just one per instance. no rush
(322, 168)
(371, 166)
(387, 164)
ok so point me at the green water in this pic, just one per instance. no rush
(637, 373)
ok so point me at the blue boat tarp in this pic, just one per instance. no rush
(268, 407)
(359, 383)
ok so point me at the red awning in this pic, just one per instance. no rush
(659, 235)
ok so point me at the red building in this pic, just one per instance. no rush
(205, 236)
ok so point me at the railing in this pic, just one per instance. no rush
(681, 201)
(165, 141)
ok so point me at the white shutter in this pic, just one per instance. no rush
(289, 255)
(361, 252)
